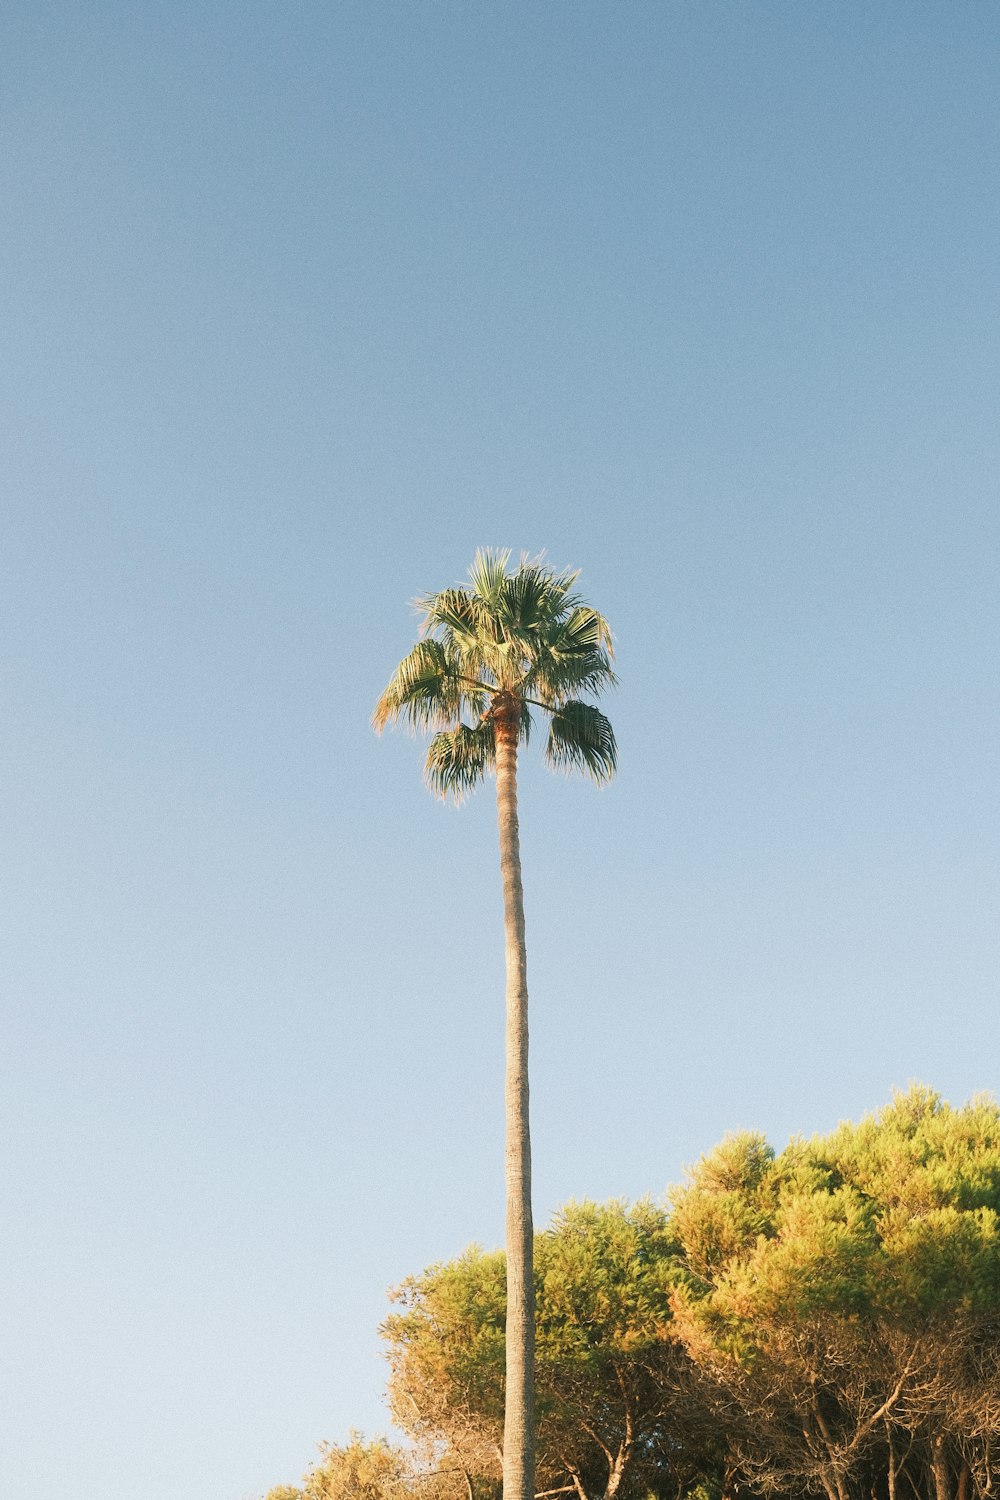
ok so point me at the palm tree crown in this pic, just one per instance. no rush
(490, 652)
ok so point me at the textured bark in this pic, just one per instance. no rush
(519, 1414)
(939, 1468)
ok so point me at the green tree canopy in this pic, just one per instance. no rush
(363, 1469)
(820, 1322)
(839, 1298)
(613, 1416)
(497, 650)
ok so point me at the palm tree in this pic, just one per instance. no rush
(493, 650)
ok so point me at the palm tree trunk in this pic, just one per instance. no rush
(519, 1403)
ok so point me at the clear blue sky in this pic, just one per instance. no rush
(301, 304)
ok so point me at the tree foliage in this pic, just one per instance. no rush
(820, 1322)
(367, 1470)
(504, 645)
(611, 1419)
(841, 1301)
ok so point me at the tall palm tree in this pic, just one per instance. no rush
(490, 652)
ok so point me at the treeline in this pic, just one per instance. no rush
(820, 1323)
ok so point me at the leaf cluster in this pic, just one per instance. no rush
(819, 1322)
(837, 1299)
(491, 651)
(603, 1277)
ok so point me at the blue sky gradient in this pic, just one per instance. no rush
(303, 304)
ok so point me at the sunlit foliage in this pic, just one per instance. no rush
(509, 643)
(820, 1322)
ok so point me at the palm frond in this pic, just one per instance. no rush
(557, 682)
(458, 759)
(581, 738)
(472, 632)
(523, 637)
(556, 675)
(489, 574)
(573, 655)
(455, 613)
(586, 628)
(531, 599)
(424, 690)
